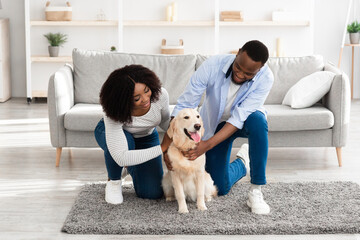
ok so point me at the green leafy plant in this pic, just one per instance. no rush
(56, 39)
(354, 27)
(113, 48)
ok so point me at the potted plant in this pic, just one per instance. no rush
(55, 40)
(353, 30)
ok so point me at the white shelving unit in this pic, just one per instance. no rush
(121, 26)
(62, 59)
(36, 87)
(266, 24)
(74, 23)
(145, 23)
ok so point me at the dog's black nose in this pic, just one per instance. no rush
(197, 127)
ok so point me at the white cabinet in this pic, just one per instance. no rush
(138, 26)
(5, 83)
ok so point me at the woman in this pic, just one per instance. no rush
(134, 104)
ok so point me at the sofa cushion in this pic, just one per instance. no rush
(285, 118)
(288, 71)
(309, 90)
(83, 117)
(91, 69)
(200, 59)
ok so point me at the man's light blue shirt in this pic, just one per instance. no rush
(211, 78)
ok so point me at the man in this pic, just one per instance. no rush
(236, 88)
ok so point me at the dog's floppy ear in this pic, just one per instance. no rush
(170, 131)
(202, 129)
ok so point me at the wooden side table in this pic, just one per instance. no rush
(352, 65)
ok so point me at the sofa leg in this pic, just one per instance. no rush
(58, 155)
(338, 153)
(70, 154)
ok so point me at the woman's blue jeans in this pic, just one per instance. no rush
(146, 176)
(226, 174)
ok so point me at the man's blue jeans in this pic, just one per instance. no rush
(224, 174)
(146, 176)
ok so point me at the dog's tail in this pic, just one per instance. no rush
(124, 172)
(212, 189)
(214, 192)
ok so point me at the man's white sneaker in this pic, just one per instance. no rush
(243, 154)
(113, 192)
(256, 202)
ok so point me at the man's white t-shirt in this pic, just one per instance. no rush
(233, 90)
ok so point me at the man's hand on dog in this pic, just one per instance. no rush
(200, 149)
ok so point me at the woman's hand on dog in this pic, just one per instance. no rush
(167, 161)
(164, 147)
(200, 149)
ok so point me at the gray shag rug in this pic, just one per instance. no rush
(296, 208)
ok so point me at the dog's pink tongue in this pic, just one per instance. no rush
(195, 136)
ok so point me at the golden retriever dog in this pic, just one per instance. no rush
(188, 179)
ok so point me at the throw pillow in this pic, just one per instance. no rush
(309, 90)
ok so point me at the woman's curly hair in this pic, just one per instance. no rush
(117, 93)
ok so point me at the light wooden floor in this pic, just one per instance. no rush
(35, 197)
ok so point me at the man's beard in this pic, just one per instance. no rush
(236, 83)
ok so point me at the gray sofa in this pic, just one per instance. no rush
(74, 110)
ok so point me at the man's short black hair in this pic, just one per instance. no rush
(117, 93)
(256, 50)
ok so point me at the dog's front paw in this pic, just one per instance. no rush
(208, 198)
(202, 207)
(183, 210)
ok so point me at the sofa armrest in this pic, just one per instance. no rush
(60, 100)
(338, 101)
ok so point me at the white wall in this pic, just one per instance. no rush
(329, 27)
(14, 10)
(329, 18)
(324, 37)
